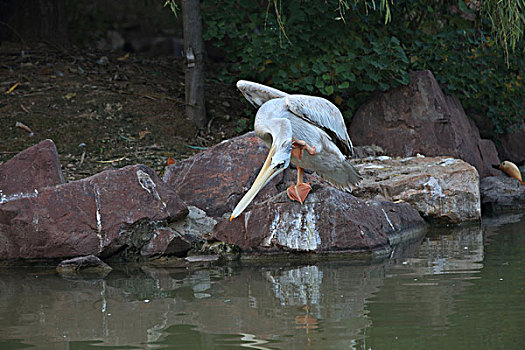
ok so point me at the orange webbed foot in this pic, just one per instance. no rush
(298, 146)
(299, 192)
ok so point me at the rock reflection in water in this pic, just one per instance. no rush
(324, 305)
(425, 288)
(454, 251)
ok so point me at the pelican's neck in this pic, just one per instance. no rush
(270, 121)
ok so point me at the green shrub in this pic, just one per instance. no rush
(314, 47)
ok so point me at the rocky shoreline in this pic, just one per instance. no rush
(131, 214)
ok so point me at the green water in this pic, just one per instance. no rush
(456, 289)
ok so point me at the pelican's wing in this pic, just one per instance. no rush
(257, 94)
(323, 114)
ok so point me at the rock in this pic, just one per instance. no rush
(217, 178)
(29, 171)
(197, 223)
(419, 118)
(166, 242)
(181, 236)
(501, 194)
(442, 189)
(329, 221)
(115, 211)
(489, 154)
(511, 146)
(203, 258)
(224, 250)
(368, 151)
(83, 266)
(485, 125)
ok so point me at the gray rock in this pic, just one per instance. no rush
(83, 266)
(197, 223)
(442, 189)
(202, 259)
(502, 194)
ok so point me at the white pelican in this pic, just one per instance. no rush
(289, 124)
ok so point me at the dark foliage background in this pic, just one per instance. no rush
(347, 52)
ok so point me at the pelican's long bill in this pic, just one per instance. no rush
(265, 175)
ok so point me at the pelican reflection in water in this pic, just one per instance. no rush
(290, 125)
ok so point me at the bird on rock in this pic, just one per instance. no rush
(307, 131)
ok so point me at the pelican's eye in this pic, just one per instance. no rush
(280, 165)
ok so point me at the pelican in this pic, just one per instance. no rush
(290, 125)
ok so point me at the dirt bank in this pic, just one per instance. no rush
(106, 109)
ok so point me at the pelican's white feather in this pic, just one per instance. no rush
(323, 114)
(258, 94)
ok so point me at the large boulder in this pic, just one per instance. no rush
(113, 211)
(420, 118)
(442, 189)
(29, 171)
(329, 221)
(217, 178)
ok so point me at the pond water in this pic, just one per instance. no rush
(455, 289)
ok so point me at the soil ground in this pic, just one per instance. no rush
(106, 109)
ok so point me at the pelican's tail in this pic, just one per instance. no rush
(344, 177)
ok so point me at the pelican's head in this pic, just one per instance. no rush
(278, 159)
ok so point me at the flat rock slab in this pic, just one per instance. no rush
(99, 215)
(29, 171)
(442, 189)
(329, 221)
(83, 266)
(502, 194)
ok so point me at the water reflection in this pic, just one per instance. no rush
(403, 302)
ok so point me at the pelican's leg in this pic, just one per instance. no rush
(298, 146)
(300, 191)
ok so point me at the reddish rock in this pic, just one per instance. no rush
(511, 146)
(99, 215)
(30, 170)
(329, 221)
(216, 179)
(168, 242)
(489, 154)
(419, 118)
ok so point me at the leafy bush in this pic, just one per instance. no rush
(315, 53)
(344, 54)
